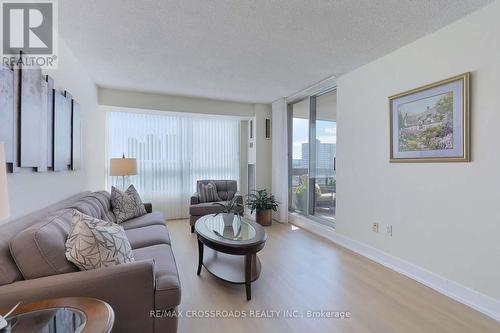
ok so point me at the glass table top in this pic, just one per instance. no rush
(55, 320)
(228, 226)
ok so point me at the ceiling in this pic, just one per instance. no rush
(252, 50)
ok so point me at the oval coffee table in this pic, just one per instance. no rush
(232, 244)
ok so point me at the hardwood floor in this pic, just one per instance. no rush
(303, 272)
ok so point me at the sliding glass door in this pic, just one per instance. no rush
(299, 175)
(313, 139)
(325, 144)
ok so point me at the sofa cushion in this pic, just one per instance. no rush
(97, 205)
(147, 236)
(126, 205)
(9, 272)
(167, 285)
(94, 243)
(205, 208)
(155, 218)
(39, 250)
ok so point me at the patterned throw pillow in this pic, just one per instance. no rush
(208, 192)
(126, 205)
(93, 243)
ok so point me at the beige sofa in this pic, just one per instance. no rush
(33, 265)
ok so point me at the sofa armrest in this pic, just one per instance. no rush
(195, 198)
(128, 288)
(149, 207)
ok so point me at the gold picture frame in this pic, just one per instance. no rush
(432, 122)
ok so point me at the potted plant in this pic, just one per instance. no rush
(263, 203)
(300, 198)
(229, 208)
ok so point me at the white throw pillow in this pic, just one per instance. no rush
(93, 243)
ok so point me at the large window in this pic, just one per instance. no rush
(313, 139)
(172, 153)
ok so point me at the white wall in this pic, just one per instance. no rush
(29, 191)
(445, 216)
(243, 185)
(263, 156)
(163, 102)
(251, 151)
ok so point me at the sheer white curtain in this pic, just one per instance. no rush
(173, 152)
(280, 158)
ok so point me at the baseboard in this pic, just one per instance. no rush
(476, 300)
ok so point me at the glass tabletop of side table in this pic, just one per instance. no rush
(66, 314)
(53, 320)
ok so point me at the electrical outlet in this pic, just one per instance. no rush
(375, 227)
(388, 230)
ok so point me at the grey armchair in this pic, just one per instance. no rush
(226, 189)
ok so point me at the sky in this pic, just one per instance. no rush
(326, 132)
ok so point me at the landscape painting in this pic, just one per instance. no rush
(426, 124)
(431, 123)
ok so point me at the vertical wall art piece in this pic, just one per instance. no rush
(431, 123)
(7, 112)
(44, 134)
(40, 127)
(76, 136)
(31, 117)
(15, 166)
(62, 131)
(50, 121)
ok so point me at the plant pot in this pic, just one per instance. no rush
(228, 219)
(264, 217)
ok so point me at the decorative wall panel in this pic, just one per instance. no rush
(7, 112)
(31, 117)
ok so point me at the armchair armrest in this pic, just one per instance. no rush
(128, 288)
(195, 198)
(149, 207)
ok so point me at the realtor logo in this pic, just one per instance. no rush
(30, 28)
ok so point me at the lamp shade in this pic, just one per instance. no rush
(4, 198)
(123, 167)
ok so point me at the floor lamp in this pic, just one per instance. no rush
(4, 198)
(123, 167)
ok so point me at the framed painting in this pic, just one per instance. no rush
(431, 123)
